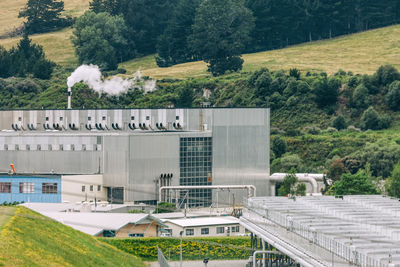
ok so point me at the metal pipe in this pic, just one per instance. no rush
(279, 177)
(251, 189)
(69, 97)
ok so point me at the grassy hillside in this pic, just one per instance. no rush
(30, 239)
(360, 53)
(10, 9)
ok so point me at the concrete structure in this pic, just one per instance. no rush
(327, 231)
(78, 188)
(135, 151)
(205, 226)
(30, 188)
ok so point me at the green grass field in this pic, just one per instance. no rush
(360, 53)
(30, 239)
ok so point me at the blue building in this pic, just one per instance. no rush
(35, 188)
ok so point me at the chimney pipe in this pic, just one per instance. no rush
(69, 97)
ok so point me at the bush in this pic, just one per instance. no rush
(262, 85)
(336, 169)
(279, 146)
(27, 86)
(339, 123)
(386, 74)
(286, 163)
(352, 128)
(361, 97)
(326, 91)
(393, 96)
(394, 182)
(354, 184)
(165, 207)
(312, 130)
(371, 120)
(295, 73)
(192, 248)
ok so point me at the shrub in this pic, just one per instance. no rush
(339, 123)
(312, 130)
(393, 96)
(164, 207)
(386, 74)
(354, 184)
(330, 130)
(287, 162)
(279, 146)
(326, 91)
(352, 128)
(27, 86)
(394, 182)
(262, 85)
(295, 73)
(371, 120)
(361, 97)
(336, 169)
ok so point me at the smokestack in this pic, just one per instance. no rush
(69, 97)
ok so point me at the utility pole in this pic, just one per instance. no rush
(180, 257)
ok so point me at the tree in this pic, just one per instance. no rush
(393, 96)
(24, 59)
(43, 16)
(326, 91)
(279, 146)
(221, 31)
(100, 39)
(291, 186)
(386, 74)
(172, 45)
(361, 97)
(394, 182)
(185, 96)
(354, 184)
(339, 123)
(165, 207)
(336, 170)
(371, 119)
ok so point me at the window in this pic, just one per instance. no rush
(27, 188)
(99, 188)
(104, 118)
(205, 231)
(83, 188)
(147, 118)
(177, 117)
(61, 118)
(109, 233)
(235, 229)
(136, 235)
(19, 119)
(220, 230)
(189, 232)
(91, 188)
(49, 188)
(5, 187)
(132, 118)
(47, 118)
(89, 118)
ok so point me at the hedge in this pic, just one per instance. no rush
(192, 248)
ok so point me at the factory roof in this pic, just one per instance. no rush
(94, 223)
(360, 229)
(204, 221)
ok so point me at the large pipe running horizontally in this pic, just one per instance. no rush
(251, 189)
(307, 178)
(262, 252)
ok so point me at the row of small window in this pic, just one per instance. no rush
(91, 188)
(111, 233)
(49, 147)
(193, 161)
(191, 139)
(29, 188)
(220, 230)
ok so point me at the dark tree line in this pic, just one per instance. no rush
(44, 16)
(26, 58)
(168, 26)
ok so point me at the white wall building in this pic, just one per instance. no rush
(205, 226)
(78, 188)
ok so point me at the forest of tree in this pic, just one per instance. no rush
(165, 27)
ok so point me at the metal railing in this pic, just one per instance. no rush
(258, 212)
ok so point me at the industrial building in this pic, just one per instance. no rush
(325, 230)
(126, 155)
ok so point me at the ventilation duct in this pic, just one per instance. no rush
(132, 126)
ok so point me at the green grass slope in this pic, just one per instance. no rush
(30, 239)
(360, 53)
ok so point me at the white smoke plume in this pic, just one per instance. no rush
(91, 75)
